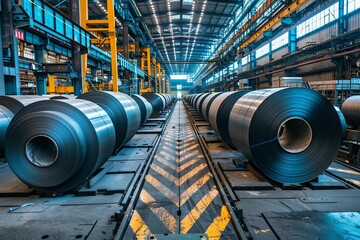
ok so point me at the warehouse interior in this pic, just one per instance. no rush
(179, 119)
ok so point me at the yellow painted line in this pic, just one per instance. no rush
(193, 216)
(163, 215)
(192, 173)
(138, 226)
(219, 224)
(188, 164)
(166, 174)
(166, 163)
(167, 156)
(189, 155)
(169, 150)
(188, 149)
(164, 190)
(186, 195)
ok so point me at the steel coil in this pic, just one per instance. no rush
(145, 107)
(157, 102)
(351, 111)
(219, 113)
(123, 111)
(5, 118)
(200, 102)
(291, 134)
(54, 146)
(343, 123)
(9, 106)
(207, 104)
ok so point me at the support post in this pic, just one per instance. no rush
(75, 49)
(2, 79)
(113, 47)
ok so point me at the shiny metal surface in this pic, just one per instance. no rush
(351, 110)
(123, 111)
(5, 118)
(146, 108)
(82, 131)
(254, 126)
(207, 104)
(342, 121)
(219, 113)
(200, 102)
(157, 102)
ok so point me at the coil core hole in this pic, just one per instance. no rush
(294, 135)
(41, 150)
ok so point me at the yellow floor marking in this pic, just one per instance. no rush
(187, 149)
(163, 215)
(164, 190)
(189, 155)
(138, 226)
(188, 164)
(193, 188)
(192, 173)
(167, 156)
(165, 174)
(193, 216)
(166, 163)
(219, 224)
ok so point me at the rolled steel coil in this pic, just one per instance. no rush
(219, 113)
(5, 118)
(351, 111)
(207, 104)
(54, 146)
(9, 106)
(157, 102)
(200, 102)
(145, 107)
(198, 98)
(291, 134)
(343, 122)
(59, 97)
(123, 111)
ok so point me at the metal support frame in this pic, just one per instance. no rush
(90, 25)
(10, 45)
(126, 46)
(2, 79)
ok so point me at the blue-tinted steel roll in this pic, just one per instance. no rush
(291, 134)
(157, 102)
(123, 111)
(5, 118)
(9, 106)
(207, 104)
(343, 123)
(219, 113)
(145, 107)
(351, 111)
(55, 145)
(200, 102)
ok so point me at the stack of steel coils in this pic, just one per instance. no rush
(158, 101)
(54, 145)
(291, 134)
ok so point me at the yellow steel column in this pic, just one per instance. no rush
(84, 15)
(113, 47)
(51, 88)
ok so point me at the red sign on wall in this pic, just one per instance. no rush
(19, 34)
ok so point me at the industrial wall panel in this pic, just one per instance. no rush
(263, 60)
(324, 76)
(319, 36)
(277, 54)
(316, 67)
(353, 21)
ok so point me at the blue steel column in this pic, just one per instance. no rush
(10, 48)
(41, 78)
(339, 62)
(292, 47)
(2, 80)
(76, 51)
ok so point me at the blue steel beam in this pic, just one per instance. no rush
(39, 14)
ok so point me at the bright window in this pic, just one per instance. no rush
(280, 41)
(262, 51)
(352, 5)
(322, 18)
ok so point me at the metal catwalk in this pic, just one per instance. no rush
(179, 195)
